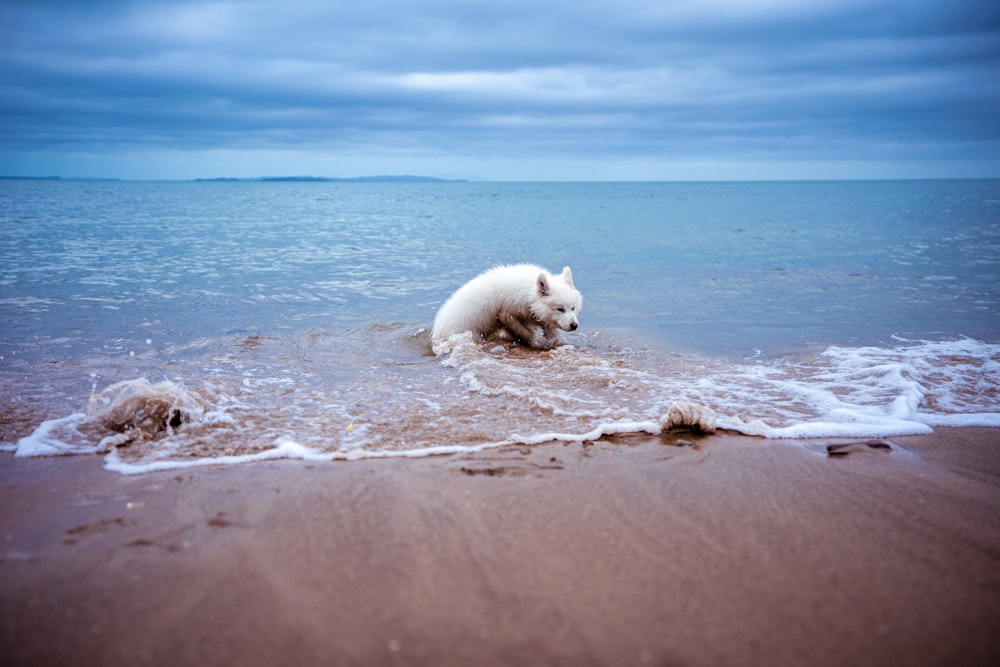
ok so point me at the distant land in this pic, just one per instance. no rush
(53, 178)
(328, 179)
(266, 179)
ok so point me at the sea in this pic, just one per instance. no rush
(165, 325)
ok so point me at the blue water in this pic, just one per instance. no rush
(716, 266)
(107, 281)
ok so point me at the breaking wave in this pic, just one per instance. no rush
(379, 392)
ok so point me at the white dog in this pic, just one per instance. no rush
(522, 302)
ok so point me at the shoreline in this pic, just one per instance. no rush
(632, 550)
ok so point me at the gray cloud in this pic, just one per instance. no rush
(718, 80)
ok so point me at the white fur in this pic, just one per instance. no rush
(521, 302)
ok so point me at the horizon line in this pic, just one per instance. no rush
(406, 178)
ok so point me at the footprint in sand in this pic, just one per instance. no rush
(74, 534)
(839, 451)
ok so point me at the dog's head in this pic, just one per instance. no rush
(558, 301)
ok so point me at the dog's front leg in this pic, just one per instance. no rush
(522, 331)
(550, 336)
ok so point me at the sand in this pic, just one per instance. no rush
(734, 551)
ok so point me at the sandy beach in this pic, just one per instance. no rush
(725, 551)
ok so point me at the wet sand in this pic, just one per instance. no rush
(733, 551)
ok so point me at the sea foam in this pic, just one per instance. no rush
(481, 396)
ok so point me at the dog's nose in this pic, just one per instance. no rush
(573, 326)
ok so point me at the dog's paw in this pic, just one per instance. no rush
(548, 338)
(540, 339)
(688, 416)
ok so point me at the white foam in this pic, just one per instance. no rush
(289, 449)
(284, 449)
(882, 392)
(475, 398)
(987, 419)
(845, 392)
(931, 383)
(57, 437)
(825, 429)
(599, 431)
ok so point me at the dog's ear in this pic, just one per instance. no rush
(543, 285)
(567, 277)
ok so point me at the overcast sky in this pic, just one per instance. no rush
(509, 90)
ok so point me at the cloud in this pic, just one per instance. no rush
(480, 85)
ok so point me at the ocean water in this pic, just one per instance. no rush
(164, 324)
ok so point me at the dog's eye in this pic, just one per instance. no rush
(561, 309)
